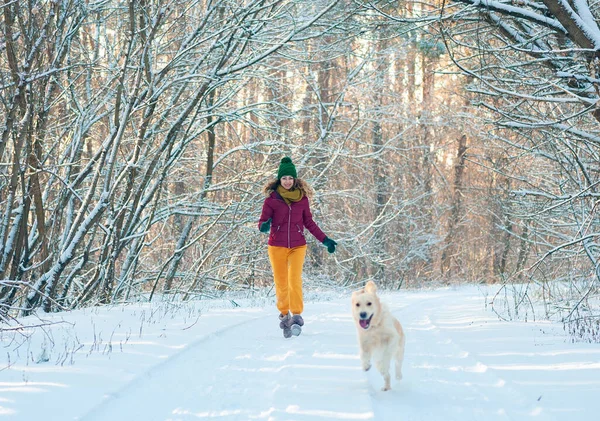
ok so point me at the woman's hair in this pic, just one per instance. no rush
(299, 183)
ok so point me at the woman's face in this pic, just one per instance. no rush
(287, 181)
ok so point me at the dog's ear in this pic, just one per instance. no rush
(357, 293)
(371, 287)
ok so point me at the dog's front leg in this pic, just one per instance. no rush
(383, 366)
(365, 357)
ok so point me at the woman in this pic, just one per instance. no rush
(285, 213)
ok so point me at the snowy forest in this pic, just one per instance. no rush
(447, 142)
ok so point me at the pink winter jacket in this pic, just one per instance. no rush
(289, 221)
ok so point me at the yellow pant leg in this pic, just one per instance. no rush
(296, 262)
(279, 264)
(287, 272)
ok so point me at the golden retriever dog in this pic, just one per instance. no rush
(380, 334)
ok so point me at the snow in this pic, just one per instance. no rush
(210, 359)
(520, 11)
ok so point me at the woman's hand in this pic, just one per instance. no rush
(266, 226)
(330, 244)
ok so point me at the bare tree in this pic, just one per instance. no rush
(533, 67)
(130, 94)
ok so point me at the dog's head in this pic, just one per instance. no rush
(366, 306)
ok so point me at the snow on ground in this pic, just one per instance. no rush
(210, 360)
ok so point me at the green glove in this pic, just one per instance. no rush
(330, 244)
(266, 226)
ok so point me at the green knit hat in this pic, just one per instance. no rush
(286, 168)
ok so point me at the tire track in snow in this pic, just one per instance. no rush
(249, 371)
(141, 381)
(496, 388)
(442, 379)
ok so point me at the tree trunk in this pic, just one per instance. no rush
(456, 211)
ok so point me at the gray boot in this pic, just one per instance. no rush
(285, 324)
(296, 324)
(297, 320)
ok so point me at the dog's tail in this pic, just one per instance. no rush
(399, 357)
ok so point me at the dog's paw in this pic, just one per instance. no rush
(366, 367)
(398, 376)
(386, 388)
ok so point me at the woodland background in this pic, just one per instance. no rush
(447, 142)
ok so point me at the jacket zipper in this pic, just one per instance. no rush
(289, 227)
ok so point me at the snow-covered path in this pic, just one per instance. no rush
(461, 364)
(247, 370)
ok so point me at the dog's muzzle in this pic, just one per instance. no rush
(364, 322)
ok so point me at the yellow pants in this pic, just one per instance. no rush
(287, 271)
